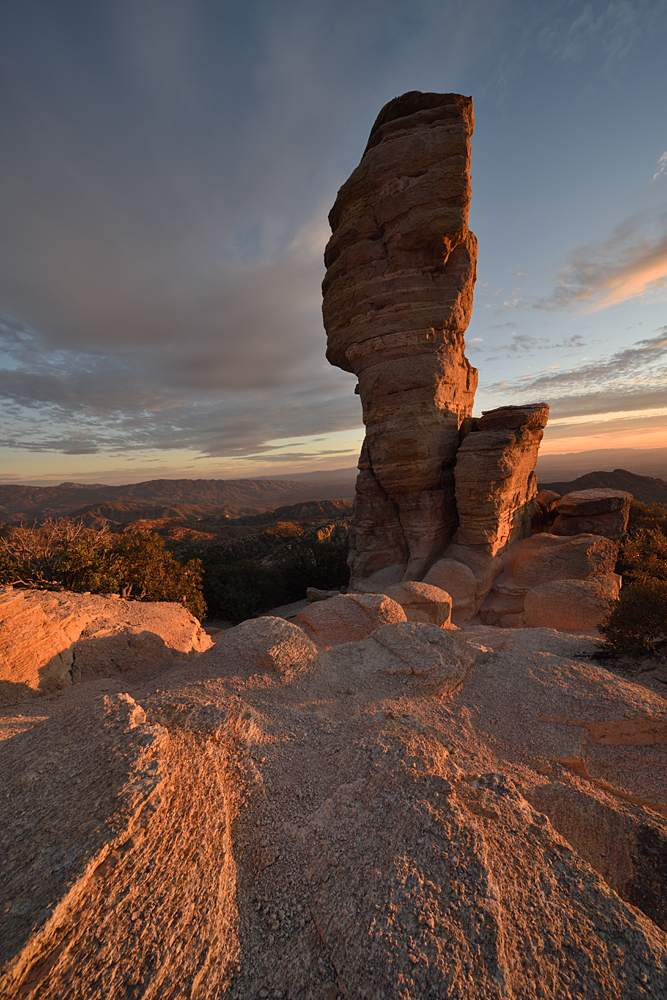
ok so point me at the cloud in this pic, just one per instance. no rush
(82, 403)
(632, 379)
(662, 166)
(166, 175)
(629, 264)
(611, 29)
(525, 345)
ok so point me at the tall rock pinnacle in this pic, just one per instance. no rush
(398, 295)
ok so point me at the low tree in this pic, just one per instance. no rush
(67, 554)
(240, 590)
(643, 555)
(636, 624)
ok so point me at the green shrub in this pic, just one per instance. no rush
(239, 590)
(66, 554)
(644, 554)
(644, 516)
(636, 623)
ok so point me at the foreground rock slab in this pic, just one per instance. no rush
(51, 639)
(421, 813)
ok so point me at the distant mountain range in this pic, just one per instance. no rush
(193, 499)
(565, 468)
(201, 496)
(643, 488)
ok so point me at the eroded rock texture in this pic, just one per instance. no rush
(416, 815)
(51, 639)
(496, 488)
(397, 300)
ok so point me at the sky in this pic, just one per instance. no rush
(168, 167)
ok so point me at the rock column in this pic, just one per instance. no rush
(398, 296)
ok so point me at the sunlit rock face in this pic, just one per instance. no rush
(398, 295)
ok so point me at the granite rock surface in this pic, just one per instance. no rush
(418, 813)
(51, 639)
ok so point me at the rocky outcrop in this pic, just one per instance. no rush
(397, 300)
(420, 813)
(347, 617)
(495, 490)
(51, 639)
(570, 605)
(596, 511)
(422, 602)
(535, 565)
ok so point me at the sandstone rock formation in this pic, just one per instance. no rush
(422, 602)
(598, 511)
(534, 563)
(495, 488)
(570, 604)
(397, 300)
(545, 509)
(420, 813)
(50, 639)
(348, 617)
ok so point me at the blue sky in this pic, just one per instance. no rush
(168, 168)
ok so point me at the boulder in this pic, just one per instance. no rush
(35, 649)
(458, 580)
(596, 511)
(570, 605)
(422, 602)
(545, 557)
(348, 617)
(534, 560)
(264, 643)
(397, 300)
(51, 639)
(586, 503)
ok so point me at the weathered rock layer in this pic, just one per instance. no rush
(398, 295)
(397, 300)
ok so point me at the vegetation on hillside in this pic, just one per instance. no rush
(636, 624)
(135, 565)
(238, 590)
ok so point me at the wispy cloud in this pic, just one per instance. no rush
(629, 264)
(82, 403)
(662, 166)
(526, 345)
(631, 379)
(611, 28)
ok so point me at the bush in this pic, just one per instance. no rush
(240, 590)
(644, 516)
(636, 623)
(644, 555)
(66, 554)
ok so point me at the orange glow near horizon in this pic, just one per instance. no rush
(638, 437)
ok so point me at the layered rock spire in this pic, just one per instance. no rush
(398, 295)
